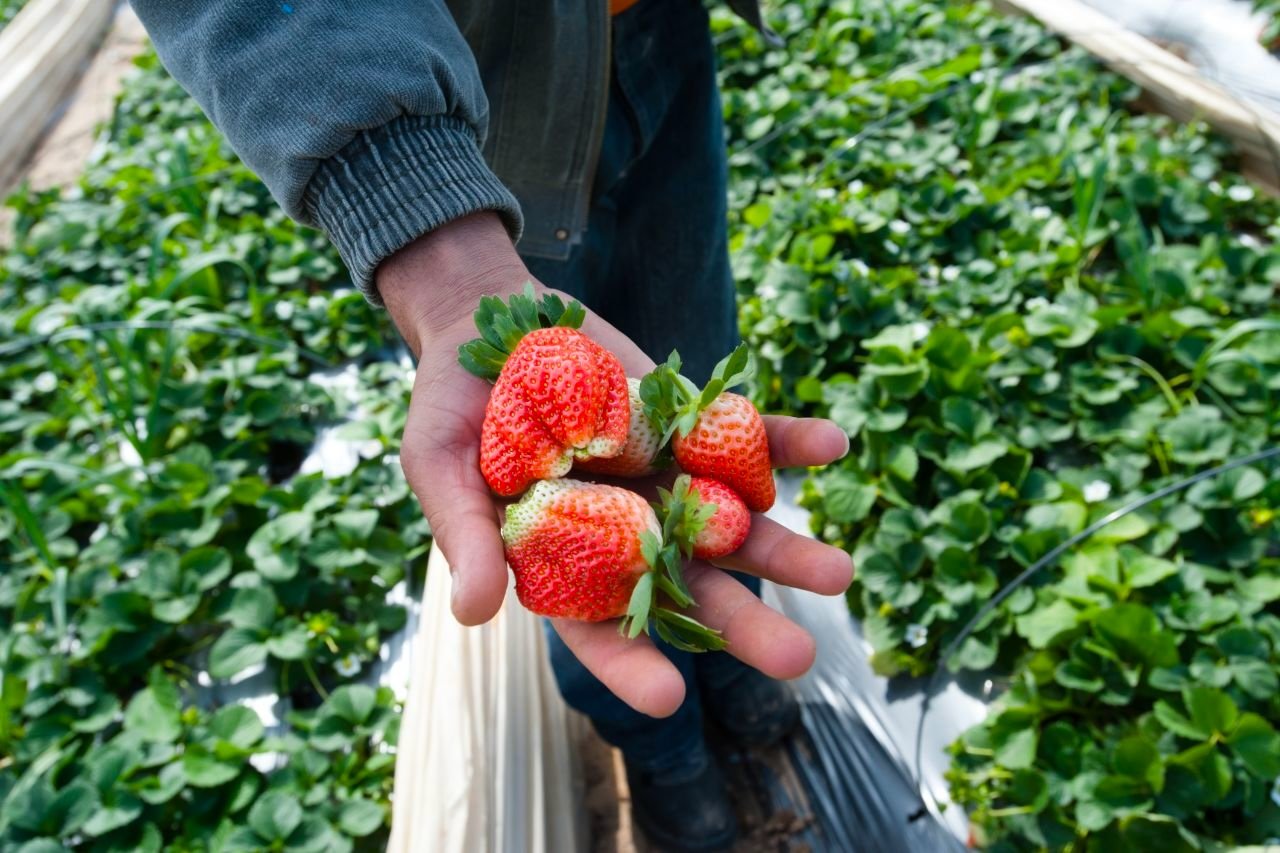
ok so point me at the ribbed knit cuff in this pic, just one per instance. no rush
(392, 184)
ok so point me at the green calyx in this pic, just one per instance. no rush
(672, 402)
(683, 516)
(503, 324)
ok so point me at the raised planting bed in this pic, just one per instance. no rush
(168, 338)
(1025, 301)
(43, 46)
(1029, 303)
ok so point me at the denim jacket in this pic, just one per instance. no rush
(380, 120)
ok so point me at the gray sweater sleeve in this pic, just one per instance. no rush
(364, 119)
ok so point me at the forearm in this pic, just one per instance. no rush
(435, 282)
(364, 119)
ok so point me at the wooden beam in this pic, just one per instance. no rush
(42, 50)
(1174, 85)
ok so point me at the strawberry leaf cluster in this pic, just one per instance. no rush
(172, 348)
(502, 323)
(1029, 301)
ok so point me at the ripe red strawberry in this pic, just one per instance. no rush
(727, 527)
(592, 552)
(728, 443)
(714, 433)
(575, 548)
(640, 456)
(557, 395)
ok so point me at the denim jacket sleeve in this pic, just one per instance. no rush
(365, 119)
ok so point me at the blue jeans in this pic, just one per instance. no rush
(655, 263)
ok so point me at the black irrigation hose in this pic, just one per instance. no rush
(1048, 559)
(82, 331)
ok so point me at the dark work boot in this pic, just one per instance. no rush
(751, 707)
(686, 808)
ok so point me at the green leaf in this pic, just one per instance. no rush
(1014, 735)
(352, 703)
(1257, 744)
(275, 815)
(163, 787)
(638, 607)
(1135, 631)
(1176, 722)
(1197, 436)
(846, 499)
(359, 818)
(253, 607)
(357, 524)
(1143, 570)
(290, 644)
(901, 461)
(202, 770)
(1209, 766)
(152, 715)
(210, 566)
(1043, 625)
(235, 651)
(1210, 709)
(1139, 758)
(969, 522)
(123, 810)
(236, 725)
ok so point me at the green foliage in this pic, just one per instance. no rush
(1028, 303)
(9, 10)
(1270, 9)
(165, 332)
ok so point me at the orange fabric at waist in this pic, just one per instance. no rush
(617, 7)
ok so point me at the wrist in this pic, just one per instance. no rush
(437, 280)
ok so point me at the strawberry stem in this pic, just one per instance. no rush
(503, 324)
(673, 402)
(680, 518)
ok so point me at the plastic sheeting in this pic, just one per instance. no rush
(1220, 37)
(485, 759)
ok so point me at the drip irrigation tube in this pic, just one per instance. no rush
(931, 688)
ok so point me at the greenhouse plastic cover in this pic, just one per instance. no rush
(1220, 37)
(487, 753)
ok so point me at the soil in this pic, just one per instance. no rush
(773, 811)
(60, 156)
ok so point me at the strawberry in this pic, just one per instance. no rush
(714, 433)
(727, 523)
(593, 552)
(557, 394)
(640, 457)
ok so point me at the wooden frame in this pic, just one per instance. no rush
(1174, 85)
(42, 50)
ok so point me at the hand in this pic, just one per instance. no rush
(431, 288)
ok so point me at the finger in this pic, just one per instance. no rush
(756, 634)
(440, 457)
(775, 553)
(801, 442)
(633, 670)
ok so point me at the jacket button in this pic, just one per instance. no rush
(562, 233)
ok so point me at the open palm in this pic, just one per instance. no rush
(440, 455)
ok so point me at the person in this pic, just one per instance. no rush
(455, 151)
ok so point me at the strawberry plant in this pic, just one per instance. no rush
(173, 347)
(1028, 302)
